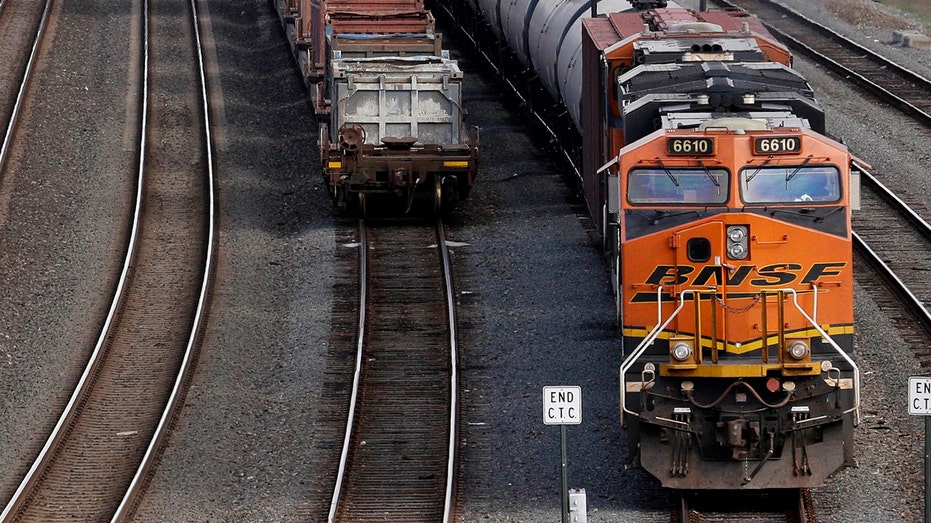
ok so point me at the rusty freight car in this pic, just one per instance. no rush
(389, 103)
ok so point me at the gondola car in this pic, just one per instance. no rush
(388, 99)
(725, 212)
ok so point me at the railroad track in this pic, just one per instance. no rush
(792, 506)
(95, 464)
(895, 84)
(897, 300)
(895, 241)
(398, 453)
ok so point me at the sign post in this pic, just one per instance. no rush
(919, 404)
(563, 406)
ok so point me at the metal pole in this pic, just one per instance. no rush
(927, 469)
(565, 476)
(594, 8)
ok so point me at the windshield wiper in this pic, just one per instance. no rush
(710, 176)
(820, 219)
(662, 215)
(797, 169)
(674, 178)
(757, 171)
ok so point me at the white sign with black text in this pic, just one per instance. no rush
(919, 396)
(562, 405)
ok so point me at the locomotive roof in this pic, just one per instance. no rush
(697, 120)
(662, 23)
(708, 77)
(651, 91)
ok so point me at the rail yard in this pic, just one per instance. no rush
(532, 287)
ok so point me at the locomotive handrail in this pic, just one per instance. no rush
(648, 340)
(843, 354)
(661, 325)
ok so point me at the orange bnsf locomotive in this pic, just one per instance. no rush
(730, 239)
(738, 325)
(725, 211)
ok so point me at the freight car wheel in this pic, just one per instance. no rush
(363, 205)
(437, 195)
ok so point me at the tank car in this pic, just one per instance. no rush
(388, 100)
(726, 215)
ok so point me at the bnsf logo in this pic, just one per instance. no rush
(775, 275)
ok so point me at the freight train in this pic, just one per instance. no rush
(388, 100)
(725, 212)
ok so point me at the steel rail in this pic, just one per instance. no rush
(173, 405)
(541, 125)
(19, 497)
(27, 76)
(132, 494)
(909, 299)
(454, 374)
(884, 192)
(357, 374)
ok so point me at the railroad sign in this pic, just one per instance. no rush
(919, 396)
(562, 405)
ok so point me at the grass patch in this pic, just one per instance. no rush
(922, 10)
(871, 13)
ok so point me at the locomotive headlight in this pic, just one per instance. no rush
(798, 349)
(737, 233)
(736, 251)
(681, 351)
(737, 242)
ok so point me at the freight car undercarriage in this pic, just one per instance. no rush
(356, 171)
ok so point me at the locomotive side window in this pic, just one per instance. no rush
(790, 184)
(687, 186)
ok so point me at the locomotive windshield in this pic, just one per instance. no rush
(691, 186)
(790, 184)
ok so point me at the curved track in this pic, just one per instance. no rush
(896, 242)
(398, 456)
(897, 85)
(897, 300)
(115, 423)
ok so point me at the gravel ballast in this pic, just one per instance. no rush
(534, 293)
